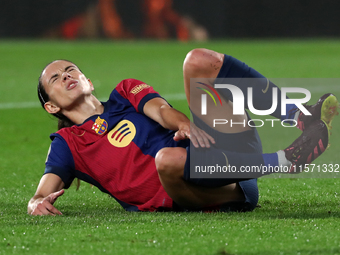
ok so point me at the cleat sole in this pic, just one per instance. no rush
(329, 110)
(329, 133)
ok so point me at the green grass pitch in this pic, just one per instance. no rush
(297, 215)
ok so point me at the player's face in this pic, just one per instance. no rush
(65, 84)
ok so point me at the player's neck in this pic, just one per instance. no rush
(88, 107)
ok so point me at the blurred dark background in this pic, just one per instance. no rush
(167, 19)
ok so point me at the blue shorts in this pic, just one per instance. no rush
(244, 142)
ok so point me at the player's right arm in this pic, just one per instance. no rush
(49, 189)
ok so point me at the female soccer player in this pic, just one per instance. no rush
(136, 147)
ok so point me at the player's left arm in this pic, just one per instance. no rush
(160, 111)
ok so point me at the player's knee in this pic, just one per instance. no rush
(170, 161)
(193, 61)
(202, 61)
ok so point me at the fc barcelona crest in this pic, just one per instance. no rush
(100, 126)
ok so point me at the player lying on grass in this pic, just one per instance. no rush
(136, 147)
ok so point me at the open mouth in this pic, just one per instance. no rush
(72, 85)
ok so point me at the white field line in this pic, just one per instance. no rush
(23, 105)
(170, 97)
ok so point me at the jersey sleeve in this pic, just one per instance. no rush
(137, 92)
(60, 161)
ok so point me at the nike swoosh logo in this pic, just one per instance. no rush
(226, 159)
(266, 89)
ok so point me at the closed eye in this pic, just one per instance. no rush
(70, 68)
(54, 78)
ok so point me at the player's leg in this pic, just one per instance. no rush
(170, 164)
(325, 109)
(174, 167)
(203, 63)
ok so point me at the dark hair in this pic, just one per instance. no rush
(63, 121)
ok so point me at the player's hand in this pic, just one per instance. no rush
(44, 206)
(197, 136)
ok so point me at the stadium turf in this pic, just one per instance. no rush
(295, 216)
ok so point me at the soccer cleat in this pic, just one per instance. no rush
(308, 146)
(325, 109)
